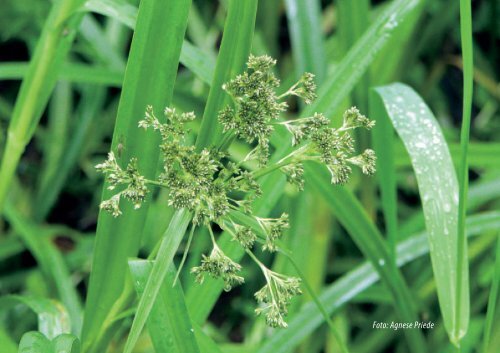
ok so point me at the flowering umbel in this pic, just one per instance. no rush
(218, 190)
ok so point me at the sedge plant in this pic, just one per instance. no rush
(214, 188)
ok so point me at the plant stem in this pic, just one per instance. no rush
(492, 300)
(463, 176)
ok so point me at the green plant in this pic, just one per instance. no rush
(232, 182)
(212, 187)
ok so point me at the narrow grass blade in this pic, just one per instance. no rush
(123, 11)
(493, 299)
(71, 72)
(200, 63)
(461, 319)
(364, 233)
(395, 57)
(92, 100)
(383, 143)
(304, 21)
(169, 244)
(232, 57)
(52, 317)
(356, 281)
(360, 57)
(102, 49)
(233, 54)
(50, 261)
(169, 324)
(60, 115)
(354, 19)
(438, 188)
(52, 47)
(149, 80)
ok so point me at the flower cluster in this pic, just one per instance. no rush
(275, 297)
(272, 229)
(135, 191)
(219, 191)
(332, 147)
(257, 105)
(218, 265)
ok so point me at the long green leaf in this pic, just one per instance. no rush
(356, 281)
(50, 261)
(55, 42)
(353, 217)
(359, 58)
(383, 143)
(438, 188)
(304, 21)
(92, 100)
(233, 54)
(239, 26)
(354, 19)
(461, 312)
(169, 324)
(169, 244)
(71, 72)
(149, 80)
(60, 113)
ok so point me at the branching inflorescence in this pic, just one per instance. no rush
(205, 182)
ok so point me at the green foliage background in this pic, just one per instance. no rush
(75, 78)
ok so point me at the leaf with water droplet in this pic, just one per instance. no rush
(437, 182)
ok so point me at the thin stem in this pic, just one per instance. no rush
(289, 92)
(316, 300)
(157, 183)
(467, 53)
(184, 255)
(289, 159)
(210, 231)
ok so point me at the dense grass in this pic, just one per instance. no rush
(418, 242)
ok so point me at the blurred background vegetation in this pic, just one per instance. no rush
(50, 230)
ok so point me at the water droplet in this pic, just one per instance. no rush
(392, 23)
(381, 262)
